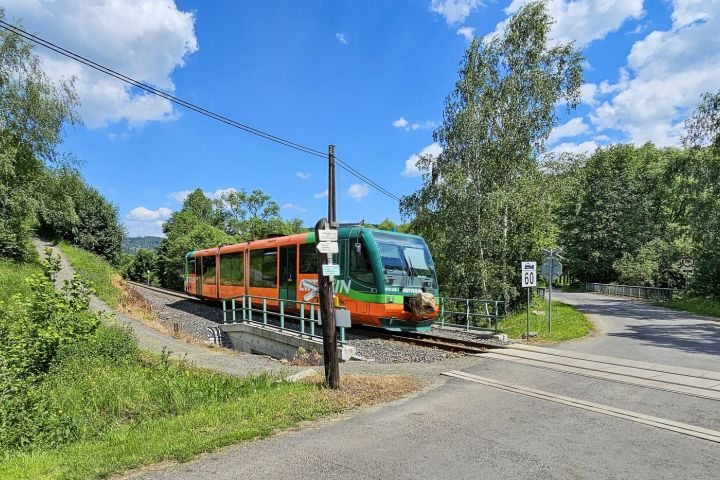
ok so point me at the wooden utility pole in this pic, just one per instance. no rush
(325, 284)
(332, 217)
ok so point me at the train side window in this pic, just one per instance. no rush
(190, 266)
(263, 268)
(231, 269)
(209, 270)
(360, 266)
(308, 258)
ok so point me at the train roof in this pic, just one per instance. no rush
(278, 241)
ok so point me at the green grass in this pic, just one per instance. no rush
(12, 278)
(568, 323)
(698, 305)
(96, 272)
(105, 407)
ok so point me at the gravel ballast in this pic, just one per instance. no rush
(193, 319)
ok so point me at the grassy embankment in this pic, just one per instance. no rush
(109, 285)
(103, 406)
(12, 278)
(567, 322)
(701, 306)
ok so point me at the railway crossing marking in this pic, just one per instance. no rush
(678, 427)
(702, 387)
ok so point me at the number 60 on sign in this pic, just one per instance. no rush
(528, 274)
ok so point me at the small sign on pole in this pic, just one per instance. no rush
(529, 274)
(327, 247)
(328, 235)
(528, 279)
(551, 271)
(331, 270)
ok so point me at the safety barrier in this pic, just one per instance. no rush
(633, 291)
(470, 314)
(254, 306)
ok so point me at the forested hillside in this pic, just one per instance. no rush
(133, 244)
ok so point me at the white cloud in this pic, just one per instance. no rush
(142, 213)
(572, 128)
(181, 195)
(588, 91)
(303, 175)
(143, 39)
(358, 191)
(427, 124)
(292, 206)
(665, 75)
(569, 147)
(342, 37)
(219, 193)
(583, 21)
(455, 11)
(686, 12)
(411, 168)
(400, 123)
(322, 194)
(403, 123)
(467, 32)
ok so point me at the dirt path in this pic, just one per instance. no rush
(226, 361)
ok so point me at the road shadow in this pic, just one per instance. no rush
(693, 338)
(633, 309)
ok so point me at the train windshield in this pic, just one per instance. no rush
(404, 255)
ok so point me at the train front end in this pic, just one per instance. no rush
(402, 273)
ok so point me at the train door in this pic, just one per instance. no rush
(288, 272)
(198, 275)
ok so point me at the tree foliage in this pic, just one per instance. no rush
(254, 215)
(38, 188)
(481, 206)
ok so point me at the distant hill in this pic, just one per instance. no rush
(133, 244)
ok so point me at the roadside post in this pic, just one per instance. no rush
(551, 271)
(326, 242)
(528, 277)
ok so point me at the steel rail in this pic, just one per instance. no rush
(427, 340)
(166, 291)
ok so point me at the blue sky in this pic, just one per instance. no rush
(369, 77)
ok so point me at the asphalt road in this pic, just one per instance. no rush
(638, 331)
(464, 430)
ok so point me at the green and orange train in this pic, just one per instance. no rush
(387, 279)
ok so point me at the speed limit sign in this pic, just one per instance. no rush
(528, 274)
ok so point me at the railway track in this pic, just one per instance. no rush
(420, 339)
(428, 340)
(166, 291)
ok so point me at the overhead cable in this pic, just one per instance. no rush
(191, 106)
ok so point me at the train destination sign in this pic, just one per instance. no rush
(328, 235)
(327, 247)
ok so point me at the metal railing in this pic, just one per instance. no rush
(470, 314)
(633, 291)
(254, 309)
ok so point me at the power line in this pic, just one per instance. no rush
(191, 106)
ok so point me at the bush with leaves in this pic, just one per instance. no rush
(33, 330)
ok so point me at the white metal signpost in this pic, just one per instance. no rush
(528, 278)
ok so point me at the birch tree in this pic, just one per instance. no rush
(481, 206)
